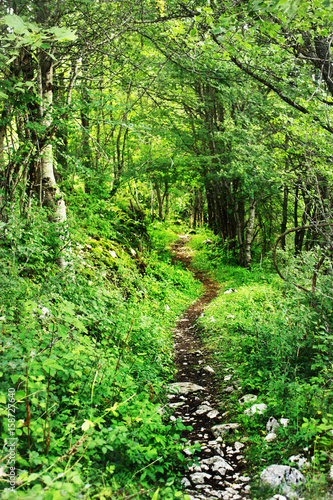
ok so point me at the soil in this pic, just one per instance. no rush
(192, 363)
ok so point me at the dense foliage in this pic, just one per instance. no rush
(117, 117)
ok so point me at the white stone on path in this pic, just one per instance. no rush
(218, 464)
(212, 414)
(221, 430)
(209, 369)
(185, 482)
(238, 446)
(203, 408)
(199, 477)
(185, 387)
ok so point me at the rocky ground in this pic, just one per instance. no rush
(220, 470)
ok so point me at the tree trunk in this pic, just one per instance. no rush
(249, 233)
(284, 216)
(159, 200)
(51, 195)
(296, 220)
(152, 202)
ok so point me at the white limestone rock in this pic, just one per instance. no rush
(248, 398)
(217, 464)
(222, 429)
(212, 414)
(257, 408)
(203, 408)
(272, 424)
(199, 477)
(300, 461)
(185, 482)
(282, 476)
(185, 387)
(238, 446)
(208, 369)
(271, 436)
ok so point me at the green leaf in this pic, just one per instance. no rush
(155, 496)
(87, 424)
(32, 477)
(63, 34)
(47, 480)
(15, 22)
(76, 479)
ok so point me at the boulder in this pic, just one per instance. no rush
(282, 476)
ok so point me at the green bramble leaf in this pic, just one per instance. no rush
(16, 23)
(63, 34)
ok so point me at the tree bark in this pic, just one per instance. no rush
(284, 216)
(249, 233)
(50, 192)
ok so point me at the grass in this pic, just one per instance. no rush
(274, 341)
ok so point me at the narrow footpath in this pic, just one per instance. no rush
(219, 471)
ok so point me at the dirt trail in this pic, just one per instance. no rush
(220, 472)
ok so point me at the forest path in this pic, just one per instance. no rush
(220, 472)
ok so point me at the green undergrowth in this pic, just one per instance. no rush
(85, 357)
(274, 341)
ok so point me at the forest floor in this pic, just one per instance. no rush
(219, 469)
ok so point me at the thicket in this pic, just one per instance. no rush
(88, 352)
(275, 341)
